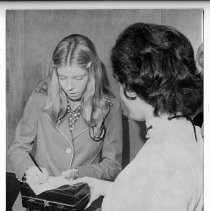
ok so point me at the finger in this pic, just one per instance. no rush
(80, 180)
(88, 205)
(29, 178)
(45, 172)
(39, 177)
(44, 179)
(31, 175)
(71, 179)
(90, 202)
(66, 174)
(30, 181)
(38, 172)
(42, 176)
(69, 174)
(33, 180)
(62, 175)
(93, 197)
(34, 171)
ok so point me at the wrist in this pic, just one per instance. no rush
(76, 173)
(107, 187)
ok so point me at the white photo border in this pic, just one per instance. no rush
(106, 5)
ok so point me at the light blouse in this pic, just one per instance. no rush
(166, 174)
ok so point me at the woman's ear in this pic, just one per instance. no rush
(52, 67)
(129, 94)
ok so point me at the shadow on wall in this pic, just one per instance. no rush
(126, 153)
(126, 142)
(143, 131)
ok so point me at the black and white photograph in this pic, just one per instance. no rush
(104, 109)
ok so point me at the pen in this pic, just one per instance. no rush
(36, 164)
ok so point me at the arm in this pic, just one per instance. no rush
(23, 141)
(97, 187)
(110, 166)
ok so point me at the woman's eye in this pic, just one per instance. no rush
(79, 78)
(62, 78)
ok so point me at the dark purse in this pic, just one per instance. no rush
(71, 198)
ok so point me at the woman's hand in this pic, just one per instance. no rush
(70, 174)
(97, 187)
(34, 174)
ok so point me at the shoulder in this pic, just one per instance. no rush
(115, 111)
(38, 98)
(113, 102)
(163, 154)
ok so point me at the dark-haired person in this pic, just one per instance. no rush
(155, 67)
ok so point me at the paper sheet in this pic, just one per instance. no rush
(51, 183)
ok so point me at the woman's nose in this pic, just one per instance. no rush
(70, 85)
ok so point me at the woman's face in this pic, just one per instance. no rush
(73, 80)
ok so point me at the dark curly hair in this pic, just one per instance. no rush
(157, 63)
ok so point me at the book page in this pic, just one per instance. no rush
(51, 183)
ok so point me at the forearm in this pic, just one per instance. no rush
(20, 161)
(103, 170)
(24, 136)
(18, 154)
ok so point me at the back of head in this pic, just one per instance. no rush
(157, 62)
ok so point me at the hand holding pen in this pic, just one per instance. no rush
(35, 173)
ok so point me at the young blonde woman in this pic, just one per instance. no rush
(74, 118)
(159, 84)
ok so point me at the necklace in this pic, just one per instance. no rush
(73, 115)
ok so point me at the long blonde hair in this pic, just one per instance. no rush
(78, 49)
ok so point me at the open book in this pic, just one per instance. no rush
(51, 183)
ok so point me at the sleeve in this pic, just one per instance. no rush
(110, 166)
(24, 136)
